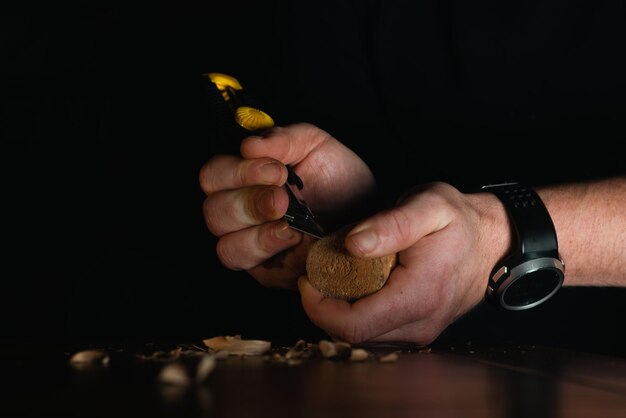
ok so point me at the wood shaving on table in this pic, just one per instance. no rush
(89, 359)
(330, 349)
(359, 354)
(174, 374)
(234, 345)
(206, 365)
(388, 358)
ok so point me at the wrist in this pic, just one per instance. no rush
(533, 271)
(495, 234)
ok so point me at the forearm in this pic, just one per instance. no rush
(590, 221)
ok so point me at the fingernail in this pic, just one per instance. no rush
(266, 204)
(284, 232)
(365, 240)
(304, 284)
(270, 173)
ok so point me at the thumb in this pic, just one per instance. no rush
(289, 144)
(397, 229)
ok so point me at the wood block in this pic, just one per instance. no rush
(336, 273)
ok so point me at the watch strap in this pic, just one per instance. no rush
(533, 225)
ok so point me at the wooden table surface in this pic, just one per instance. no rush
(462, 379)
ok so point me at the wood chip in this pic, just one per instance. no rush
(89, 359)
(234, 345)
(339, 350)
(389, 358)
(174, 374)
(296, 351)
(327, 349)
(358, 354)
(205, 366)
(344, 350)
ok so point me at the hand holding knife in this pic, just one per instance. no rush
(238, 115)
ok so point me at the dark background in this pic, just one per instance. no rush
(104, 127)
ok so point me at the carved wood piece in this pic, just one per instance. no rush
(336, 273)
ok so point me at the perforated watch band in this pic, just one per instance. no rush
(533, 225)
(533, 272)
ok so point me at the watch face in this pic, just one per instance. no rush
(532, 288)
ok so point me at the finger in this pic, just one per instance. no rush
(250, 247)
(290, 144)
(363, 320)
(283, 269)
(227, 172)
(232, 210)
(394, 230)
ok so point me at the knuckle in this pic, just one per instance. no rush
(399, 225)
(273, 131)
(210, 216)
(266, 203)
(440, 187)
(225, 255)
(440, 194)
(254, 204)
(304, 125)
(210, 175)
(222, 215)
(434, 195)
(240, 175)
(205, 175)
(263, 241)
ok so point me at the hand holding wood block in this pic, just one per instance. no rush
(336, 273)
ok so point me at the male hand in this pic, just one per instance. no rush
(245, 202)
(447, 243)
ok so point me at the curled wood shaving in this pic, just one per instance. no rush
(234, 345)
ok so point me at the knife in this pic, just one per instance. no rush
(236, 115)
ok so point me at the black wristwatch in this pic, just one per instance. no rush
(534, 271)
